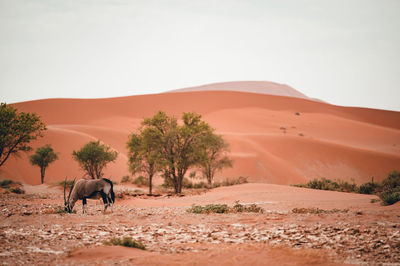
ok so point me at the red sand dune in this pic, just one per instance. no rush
(261, 87)
(322, 140)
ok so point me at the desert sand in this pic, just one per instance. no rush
(274, 139)
(277, 136)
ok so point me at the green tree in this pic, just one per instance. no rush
(180, 144)
(43, 157)
(17, 130)
(214, 156)
(143, 153)
(93, 158)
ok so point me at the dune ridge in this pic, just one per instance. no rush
(274, 139)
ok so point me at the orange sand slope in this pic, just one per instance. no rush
(274, 139)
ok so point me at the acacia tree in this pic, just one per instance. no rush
(143, 153)
(214, 156)
(93, 158)
(17, 130)
(180, 145)
(43, 157)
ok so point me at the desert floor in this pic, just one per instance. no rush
(354, 231)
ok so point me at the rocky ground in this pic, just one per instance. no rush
(32, 232)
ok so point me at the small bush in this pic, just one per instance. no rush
(317, 211)
(327, 184)
(125, 179)
(68, 182)
(186, 183)
(392, 182)
(141, 181)
(251, 208)
(200, 185)
(374, 200)
(370, 188)
(5, 183)
(17, 190)
(224, 208)
(210, 208)
(345, 186)
(126, 242)
(231, 182)
(389, 197)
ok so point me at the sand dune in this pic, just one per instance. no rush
(269, 141)
(260, 87)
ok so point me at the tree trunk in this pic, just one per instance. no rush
(150, 184)
(209, 177)
(42, 171)
(180, 179)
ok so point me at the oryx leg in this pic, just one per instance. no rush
(110, 202)
(105, 201)
(84, 205)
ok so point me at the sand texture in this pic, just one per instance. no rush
(273, 139)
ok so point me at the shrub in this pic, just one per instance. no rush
(210, 208)
(370, 188)
(200, 185)
(327, 184)
(5, 183)
(323, 184)
(125, 179)
(317, 210)
(126, 242)
(389, 197)
(141, 181)
(231, 182)
(68, 183)
(251, 208)
(224, 208)
(17, 190)
(345, 186)
(186, 183)
(392, 181)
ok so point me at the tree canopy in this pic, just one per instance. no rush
(43, 157)
(143, 153)
(169, 146)
(214, 156)
(93, 158)
(17, 130)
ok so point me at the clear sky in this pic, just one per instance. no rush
(345, 52)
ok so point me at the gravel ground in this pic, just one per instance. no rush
(31, 232)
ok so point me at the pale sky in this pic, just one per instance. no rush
(345, 52)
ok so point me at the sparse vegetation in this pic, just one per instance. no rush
(318, 211)
(5, 183)
(375, 200)
(389, 197)
(327, 184)
(231, 182)
(68, 183)
(11, 186)
(224, 208)
(370, 187)
(388, 191)
(141, 181)
(17, 190)
(126, 242)
(126, 179)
